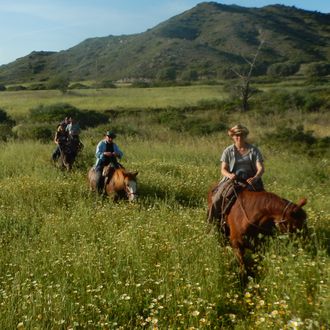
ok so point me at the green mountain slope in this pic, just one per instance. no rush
(207, 40)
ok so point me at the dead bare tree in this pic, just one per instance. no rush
(244, 89)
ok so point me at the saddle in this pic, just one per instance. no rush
(224, 196)
(109, 170)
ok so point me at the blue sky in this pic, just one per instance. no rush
(54, 25)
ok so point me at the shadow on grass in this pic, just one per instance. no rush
(153, 193)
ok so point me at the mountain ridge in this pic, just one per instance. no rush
(205, 40)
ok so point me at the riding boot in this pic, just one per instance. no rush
(56, 154)
(99, 181)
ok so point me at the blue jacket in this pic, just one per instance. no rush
(101, 148)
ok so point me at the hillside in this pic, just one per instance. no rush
(203, 41)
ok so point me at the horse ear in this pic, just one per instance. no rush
(302, 202)
(132, 174)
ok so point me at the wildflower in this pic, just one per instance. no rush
(294, 323)
(274, 313)
(247, 295)
(195, 313)
(20, 325)
(232, 317)
(260, 320)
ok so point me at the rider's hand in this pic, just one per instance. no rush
(251, 180)
(232, 176)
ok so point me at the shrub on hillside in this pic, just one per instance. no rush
(167, 74)
(283, 69)
(202, 127)
(281, 101)
(299, 139)
(5, 119)
(210, 104)
(55, 113)
(317, 70)
(60, 82)
(141, 84)
(5, 132)
(6, 125)
(180, 122)
(52, 113)
(37, 87)
(78, 86)
(16, 88)
(105, 84)
(40, 132)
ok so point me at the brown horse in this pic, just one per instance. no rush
(256, 213)
(69, 152)
(122, 185)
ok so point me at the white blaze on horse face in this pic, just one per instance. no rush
(131, 187)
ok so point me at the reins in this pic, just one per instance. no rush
(283, 213)
(243, 209)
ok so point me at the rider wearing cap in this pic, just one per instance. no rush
(107, 153)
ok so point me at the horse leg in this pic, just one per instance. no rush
(239, 251)
(99, 181)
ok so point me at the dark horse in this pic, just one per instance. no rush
(256, 213)
(122, 185)
(69, 152)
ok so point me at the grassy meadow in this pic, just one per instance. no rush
(70, 260)
(17, 103)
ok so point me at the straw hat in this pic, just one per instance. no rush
(238, 130)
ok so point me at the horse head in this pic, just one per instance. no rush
(293, 217)
(122, 183)
(130, 185)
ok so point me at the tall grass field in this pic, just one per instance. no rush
(72, 260)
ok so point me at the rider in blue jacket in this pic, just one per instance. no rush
(107, 153)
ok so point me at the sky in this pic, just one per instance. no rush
(55, 25)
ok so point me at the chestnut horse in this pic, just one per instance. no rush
(122, 185)
(256, 213)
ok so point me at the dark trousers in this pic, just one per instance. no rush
(56, 153)
(99, 179)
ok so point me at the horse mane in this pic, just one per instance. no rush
(262, 200)
(119, 176)
(269, 204)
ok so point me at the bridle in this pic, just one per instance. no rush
(284, 212)
(128, 192)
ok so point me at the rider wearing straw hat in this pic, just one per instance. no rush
(240, 162)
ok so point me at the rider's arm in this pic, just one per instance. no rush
(56, 138)
(225, 171)
(260, 171)
(100, 149)
(119, 154)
